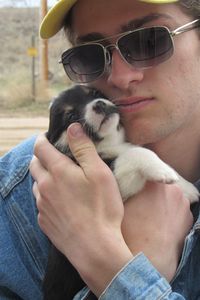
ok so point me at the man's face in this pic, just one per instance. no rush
(156, 103)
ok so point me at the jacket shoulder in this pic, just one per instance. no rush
(15, 165)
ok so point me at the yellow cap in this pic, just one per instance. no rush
(159, 1)
(53, 21)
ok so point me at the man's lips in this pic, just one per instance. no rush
(133, 103)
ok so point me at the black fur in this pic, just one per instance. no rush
(62, 281)
(60, 119)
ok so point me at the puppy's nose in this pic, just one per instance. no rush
(100, 107)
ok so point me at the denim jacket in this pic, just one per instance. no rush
(24, 248)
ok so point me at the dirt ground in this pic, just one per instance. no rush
(17, 128)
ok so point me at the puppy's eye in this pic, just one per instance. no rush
(71, 116)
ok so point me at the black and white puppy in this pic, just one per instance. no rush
(132, 166)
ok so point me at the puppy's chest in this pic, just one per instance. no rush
(110, 153)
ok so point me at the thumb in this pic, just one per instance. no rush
(81, 146)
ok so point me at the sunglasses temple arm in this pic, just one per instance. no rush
(194, 24)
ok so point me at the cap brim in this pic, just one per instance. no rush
(159, 1)
(53, 21)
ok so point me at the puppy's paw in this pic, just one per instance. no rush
(151, 167)
(192, 194)
(162, 173)
(189, 190)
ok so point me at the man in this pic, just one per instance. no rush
(149, 248)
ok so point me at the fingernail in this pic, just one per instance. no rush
(76, 130)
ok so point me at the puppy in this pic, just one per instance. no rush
(132, 166)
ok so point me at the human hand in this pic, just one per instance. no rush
(156, 222)
(80, 208)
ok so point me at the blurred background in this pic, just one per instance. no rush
(30, 75)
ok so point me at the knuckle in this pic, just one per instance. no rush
(41, 221)
(102, 174)
(180, 198)
(39, 206)
(42, 185)
(56, 170)
(82, 150)
(177, 191)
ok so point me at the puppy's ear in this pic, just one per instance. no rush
(96, 94)
(84, 88)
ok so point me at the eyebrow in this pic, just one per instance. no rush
(131, 25)
(137, 23)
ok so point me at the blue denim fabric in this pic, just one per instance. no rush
(24, 248)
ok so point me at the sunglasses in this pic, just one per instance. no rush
(140, 48)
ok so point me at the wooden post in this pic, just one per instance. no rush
(33, 70)
(44, 70)
(33, 53)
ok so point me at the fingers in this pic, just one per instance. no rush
(36, 169)
(81, 146)
(49, 167)
(36, 192)
(47, 154)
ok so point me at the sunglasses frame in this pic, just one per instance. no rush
(107, 55)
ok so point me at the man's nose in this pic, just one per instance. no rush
(121, 74)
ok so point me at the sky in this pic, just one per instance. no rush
(18, 3)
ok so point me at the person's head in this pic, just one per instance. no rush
(189, 7)
(158, 89)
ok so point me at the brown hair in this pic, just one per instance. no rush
(189, 7)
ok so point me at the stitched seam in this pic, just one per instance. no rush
(25, 238)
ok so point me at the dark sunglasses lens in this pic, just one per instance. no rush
(146, 47)
(84, 63)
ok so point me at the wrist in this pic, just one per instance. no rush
(102, 263)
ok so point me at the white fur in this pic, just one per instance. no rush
(136, 165)
(133, 165)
